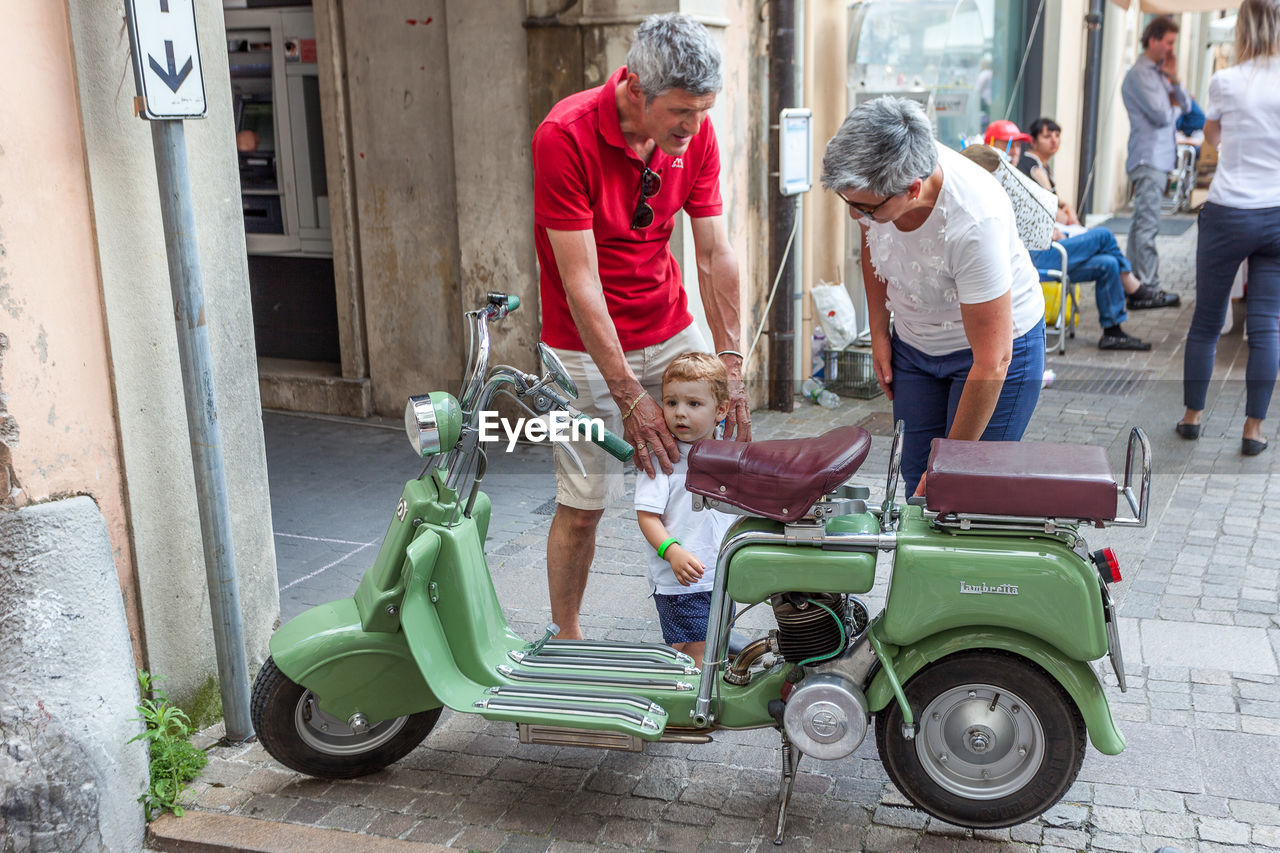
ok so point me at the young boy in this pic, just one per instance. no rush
(682, 565)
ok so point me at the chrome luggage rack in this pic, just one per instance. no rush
(1138, 503)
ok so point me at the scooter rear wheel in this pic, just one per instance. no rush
(998, 740)
(292, 728)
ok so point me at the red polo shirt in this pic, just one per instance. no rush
(586, 177)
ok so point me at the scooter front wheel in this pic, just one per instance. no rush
(998, 740)
(292, 728)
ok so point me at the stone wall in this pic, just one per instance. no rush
(69, 779)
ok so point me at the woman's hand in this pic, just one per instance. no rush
(882, 362)
(920, 488)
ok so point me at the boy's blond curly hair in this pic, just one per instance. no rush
(699, 367)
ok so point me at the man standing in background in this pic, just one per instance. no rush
(1154, 100)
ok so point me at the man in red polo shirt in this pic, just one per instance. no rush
(612, 166)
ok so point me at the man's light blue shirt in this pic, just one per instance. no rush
(1152, 141)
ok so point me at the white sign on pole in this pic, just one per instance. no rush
(795, 172)
(166, 58)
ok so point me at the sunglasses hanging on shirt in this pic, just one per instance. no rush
(650, 183)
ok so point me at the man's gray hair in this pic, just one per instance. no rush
(674, 52)
(882, 147)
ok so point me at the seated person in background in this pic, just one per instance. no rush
(1046, 136)
(1091, 256)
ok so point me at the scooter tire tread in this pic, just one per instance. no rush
(271, 708)
(900, 761)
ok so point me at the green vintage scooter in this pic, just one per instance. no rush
(976, 671)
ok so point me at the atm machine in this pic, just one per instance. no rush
(936, 52)
(284, 191)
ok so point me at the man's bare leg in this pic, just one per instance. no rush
(571, 546)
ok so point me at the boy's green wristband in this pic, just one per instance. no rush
(662, 549)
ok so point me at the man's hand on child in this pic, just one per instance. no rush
(686, 567)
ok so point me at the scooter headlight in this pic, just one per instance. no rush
(433, 422)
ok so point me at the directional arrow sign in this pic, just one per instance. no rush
(166, 58)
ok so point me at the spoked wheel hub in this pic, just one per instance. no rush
(980, 742)
(327, 734)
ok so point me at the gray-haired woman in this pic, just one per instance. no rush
(965, 357)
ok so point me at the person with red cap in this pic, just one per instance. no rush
(1003, 135)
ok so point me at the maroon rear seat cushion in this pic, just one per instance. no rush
(1020, 478)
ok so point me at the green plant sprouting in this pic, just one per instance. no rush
(174, 761)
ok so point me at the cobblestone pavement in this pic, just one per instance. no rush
(1198, 607)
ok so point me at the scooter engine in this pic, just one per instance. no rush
(810, 624)
(826, 716)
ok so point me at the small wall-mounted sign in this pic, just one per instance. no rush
(795, 163)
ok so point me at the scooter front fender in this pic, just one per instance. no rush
(1076, 677)
(327, 651)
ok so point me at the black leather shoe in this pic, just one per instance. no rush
(1122, 341)
(1251, 446)
(1188, 431)
(1150, 297)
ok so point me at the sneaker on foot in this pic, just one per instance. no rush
(1122, 341)
(1152, 297)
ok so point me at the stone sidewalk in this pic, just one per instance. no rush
(1198, 609)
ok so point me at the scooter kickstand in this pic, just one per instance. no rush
(790, 761)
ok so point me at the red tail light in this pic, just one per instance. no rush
(1108, 565)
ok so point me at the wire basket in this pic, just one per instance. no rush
(848, 372)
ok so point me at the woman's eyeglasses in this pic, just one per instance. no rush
(864, 212)
(650, 183)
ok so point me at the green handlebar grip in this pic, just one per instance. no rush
(611, 443)
(513, 302)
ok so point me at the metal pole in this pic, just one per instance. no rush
(1092, 73)
(173, 178)
(782, 209)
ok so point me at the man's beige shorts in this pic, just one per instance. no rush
(603, 482)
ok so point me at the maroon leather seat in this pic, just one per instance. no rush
(777, 479)
(1020, 478)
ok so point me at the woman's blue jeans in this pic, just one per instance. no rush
(1227, 237)
(1094, 256)
(926, 391)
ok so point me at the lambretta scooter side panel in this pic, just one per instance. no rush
(1076, 677)
(327, 651)
(759, 571)
(1023, 582)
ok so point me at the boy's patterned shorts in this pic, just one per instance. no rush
(684, 617)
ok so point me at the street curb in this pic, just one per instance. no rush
(205, 832)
